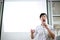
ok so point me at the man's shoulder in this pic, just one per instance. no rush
(39, 26)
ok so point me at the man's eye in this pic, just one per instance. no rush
(44, 16)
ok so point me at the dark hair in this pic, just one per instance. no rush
(42, 14)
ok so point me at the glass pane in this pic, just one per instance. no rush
(56, 19)
(56, 8)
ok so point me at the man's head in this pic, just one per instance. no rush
(43, 17)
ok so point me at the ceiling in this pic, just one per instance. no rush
(53, 0)
(28, 0)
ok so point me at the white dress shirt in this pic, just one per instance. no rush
(41, 33)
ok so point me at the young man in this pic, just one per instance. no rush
(43, 31)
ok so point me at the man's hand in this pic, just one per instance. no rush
(32, 30)
(45, 25)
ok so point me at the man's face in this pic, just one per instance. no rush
(43, 18)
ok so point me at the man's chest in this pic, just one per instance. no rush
(42, 31)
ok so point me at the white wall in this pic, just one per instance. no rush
(19, 17)
(15, 36)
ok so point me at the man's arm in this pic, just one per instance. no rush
(50, 33)
(32, 34)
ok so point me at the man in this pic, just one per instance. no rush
(43, 31)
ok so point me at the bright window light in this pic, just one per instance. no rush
(22, 16)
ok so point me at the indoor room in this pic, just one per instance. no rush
(19, 17)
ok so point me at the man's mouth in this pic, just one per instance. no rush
(43, 20)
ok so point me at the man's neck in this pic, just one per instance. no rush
(42, 24)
